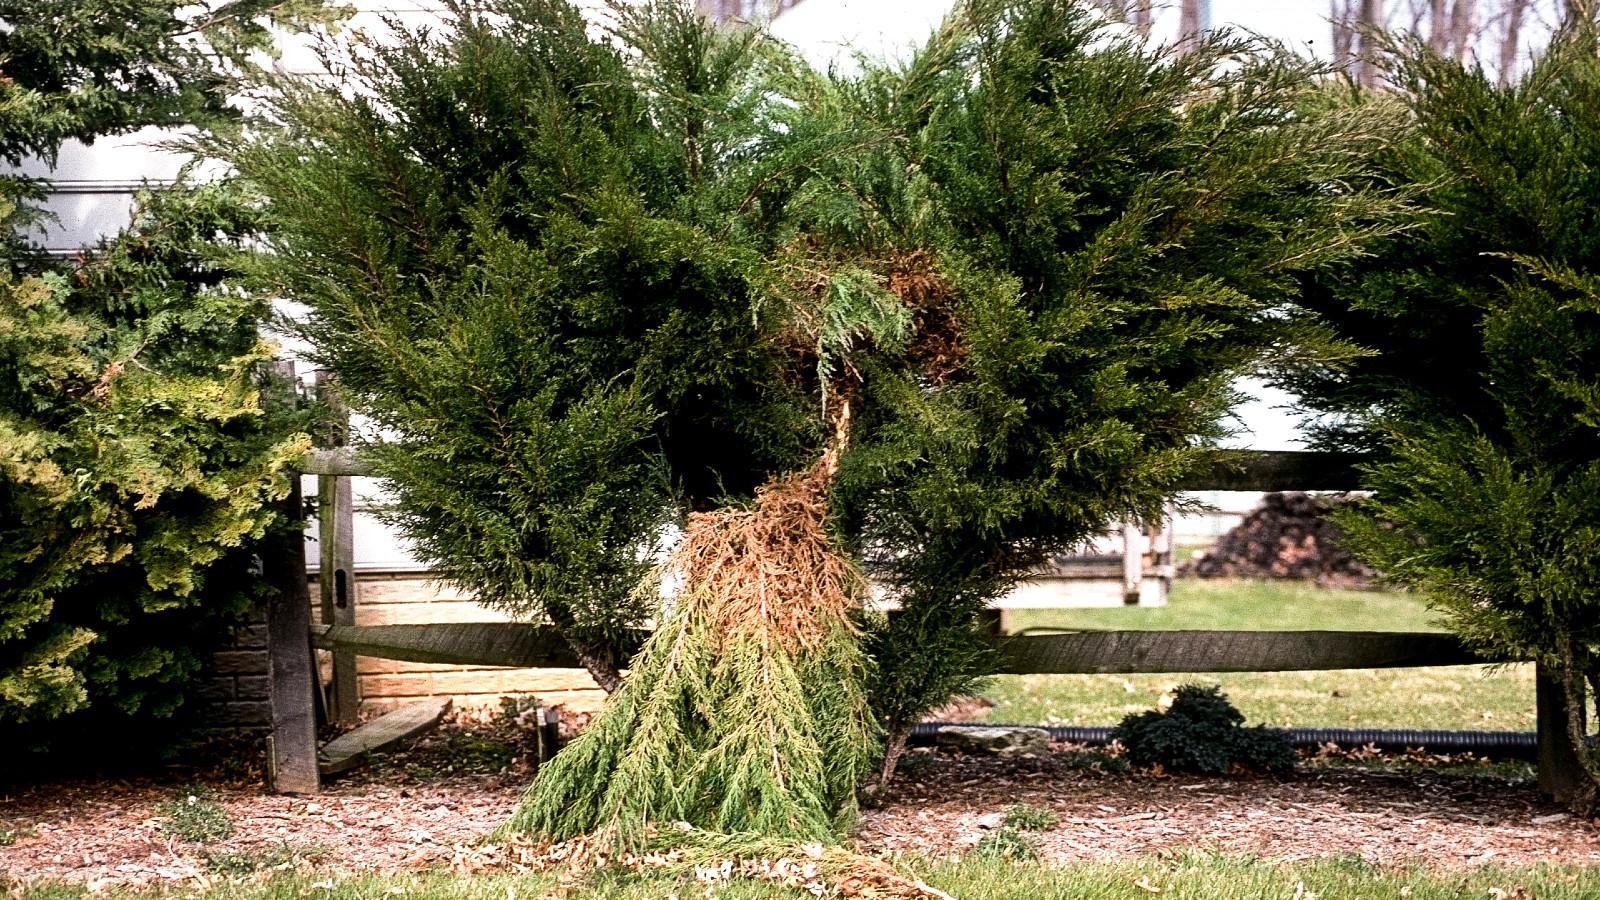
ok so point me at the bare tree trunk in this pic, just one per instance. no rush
(894, 746)
(1344, 35)
(1516, 10)
(599, 661)
(1191, 21)
(1575, 667)
(1371, 22)
(1439, 26)
(1463, 21)
(601, 665)
(1114, 9)
(1143, 18)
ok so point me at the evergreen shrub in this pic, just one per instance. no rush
(1481, 396)
(140, 450)
(928, 322)
(1202, 733)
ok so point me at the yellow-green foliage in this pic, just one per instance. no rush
(138, 458)
(138, 464)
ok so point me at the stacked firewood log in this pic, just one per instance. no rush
(1290, 535)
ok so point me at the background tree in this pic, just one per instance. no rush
(138, 460)
(1503, 36)
(933, 323)
(1481, 388)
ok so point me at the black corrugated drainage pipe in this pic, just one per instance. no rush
(1497, 744)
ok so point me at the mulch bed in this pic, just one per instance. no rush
(108, 831)
(1384, 817)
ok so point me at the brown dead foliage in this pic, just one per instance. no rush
(937, 347)
(770, 571)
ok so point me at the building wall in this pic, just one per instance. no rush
(408, 598)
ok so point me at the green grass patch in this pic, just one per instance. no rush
(194, 815)
(1182, 876)
(1449, 697)
(1247, 606)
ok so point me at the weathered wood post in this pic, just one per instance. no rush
(336, 551)
(292, 747)
(1132, 563)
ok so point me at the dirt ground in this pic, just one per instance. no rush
(434, 806)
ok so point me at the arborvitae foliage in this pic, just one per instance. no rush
(138, 460)
(982, 304)
(1203, 733)
(1483, 395)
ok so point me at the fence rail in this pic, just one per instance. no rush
(521, 645)
(533, 646)
(1229, 470)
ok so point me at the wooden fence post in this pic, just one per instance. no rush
(292, 747)
(1560, 771)
(336, 551)
(1132, 564)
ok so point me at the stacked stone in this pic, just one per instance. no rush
(237, 691)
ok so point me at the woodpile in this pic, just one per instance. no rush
(1290, 535)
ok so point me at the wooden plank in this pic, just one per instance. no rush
(1561, 776)
(1132, 564)
(518, 645)
(408, 589)
(426, 612)
(1230, 470)
(522, 645)
(292, 753)
(1226, 651)
(350, 750)
(1278, 470)
(336, 570)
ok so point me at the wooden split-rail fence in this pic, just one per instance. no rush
(297, 762)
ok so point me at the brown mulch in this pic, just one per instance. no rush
(107, 832)
(1388, 817)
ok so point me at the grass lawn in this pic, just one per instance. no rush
(1466, 697)
(1185, 876)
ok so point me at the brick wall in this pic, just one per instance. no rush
(237, 690)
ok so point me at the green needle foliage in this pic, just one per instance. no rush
(1119, 233)
(1483, 393)
(595, 284)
